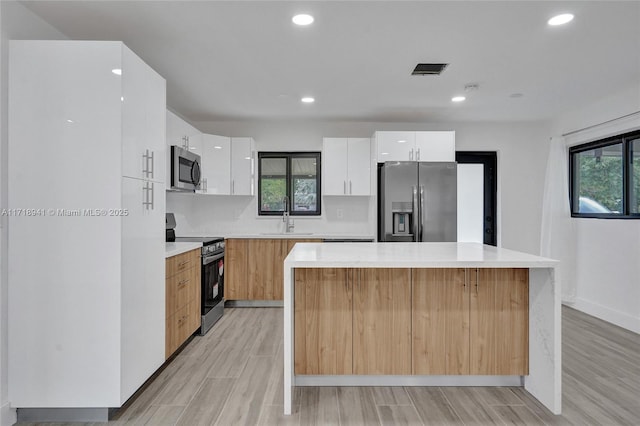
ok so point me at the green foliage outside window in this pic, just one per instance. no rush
(601, 180)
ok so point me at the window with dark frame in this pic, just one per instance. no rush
(605, 178)
(294, 175)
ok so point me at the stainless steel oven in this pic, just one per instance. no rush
(185, 169)
(212, 286)
(212, 280)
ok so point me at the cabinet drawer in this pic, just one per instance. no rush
(182, 262)
(182, 324)
(181, 289)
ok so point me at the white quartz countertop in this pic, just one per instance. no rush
(411, 255)
(173, 249)
(301, 235)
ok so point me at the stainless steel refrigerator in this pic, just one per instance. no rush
(417, 201)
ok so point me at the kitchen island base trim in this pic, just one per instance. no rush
(373, 380)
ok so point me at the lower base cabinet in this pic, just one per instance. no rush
(323, 321)
(438, 321)
(182, 299)
(255, 267)
(382, 321)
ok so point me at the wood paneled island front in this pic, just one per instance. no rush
(421, 314)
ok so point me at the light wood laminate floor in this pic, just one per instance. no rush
(233, 376)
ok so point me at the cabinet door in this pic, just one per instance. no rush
(280, 252)
(260, 253)
(235, 283)
(216, 165)
(435, 146)
(499, 321)
(143, 283)
(133, 101)
(156, 129)
(335, 166)
(396, 146)
(323, 321)
(440, 321)
(143, 101)
(359, 166)
(381, 321)
(242, 166)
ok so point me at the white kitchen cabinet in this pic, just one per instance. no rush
(216, 165)
(180, 133)
(86, 320)
(242, 166)
(416, 146)
(436, 146)
(346, 164)
(143, 97)
(395, 146)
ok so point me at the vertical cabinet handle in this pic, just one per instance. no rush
(350, 188)
(153, 164)
(344, 187)
(148, 198)
(153, 198)
(411, 154)
(477, 278)
(233, 187)
(418, 154)
(466, 274)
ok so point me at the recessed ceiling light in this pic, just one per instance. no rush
(69, 121)
(302, 19)
(560, 19)
(402, 141)
(117, 71)
(384, 153)
(217, 147)
(458, 99)
(308, 100)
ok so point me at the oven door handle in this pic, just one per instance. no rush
(208, 259)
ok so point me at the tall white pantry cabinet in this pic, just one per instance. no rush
(86, 263)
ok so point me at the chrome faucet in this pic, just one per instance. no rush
(288, 222)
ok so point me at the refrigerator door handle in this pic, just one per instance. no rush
(423, 211)
(416, 213)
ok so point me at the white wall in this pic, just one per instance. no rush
(16, 23)
(608, 253)
(522, 150)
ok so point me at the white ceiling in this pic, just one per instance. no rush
(241, 60)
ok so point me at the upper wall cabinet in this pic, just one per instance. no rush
(216, 164)
(242, 166)
(182, 134)
(416, 146)
(346, 166)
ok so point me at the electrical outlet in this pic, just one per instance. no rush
(339, 213)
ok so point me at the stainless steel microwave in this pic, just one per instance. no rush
(185, 169)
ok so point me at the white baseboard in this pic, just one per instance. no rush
(7, 415)
(604, 313)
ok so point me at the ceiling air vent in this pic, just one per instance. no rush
(429, 69)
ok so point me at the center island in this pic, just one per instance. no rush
(421, 314)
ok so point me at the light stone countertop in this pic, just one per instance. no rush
(302, 235)
(411, 255)
(173, 249)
